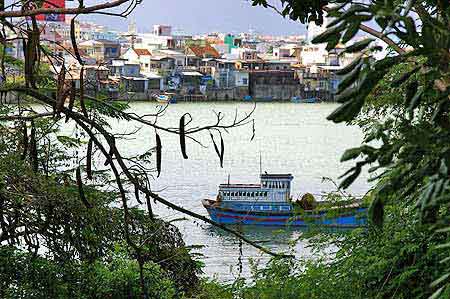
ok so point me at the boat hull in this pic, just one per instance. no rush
(304, 101)
(165, 99)
(347, 218)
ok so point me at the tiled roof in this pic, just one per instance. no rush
(142, 52)
(204, 51)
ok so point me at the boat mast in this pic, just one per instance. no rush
(260, 163)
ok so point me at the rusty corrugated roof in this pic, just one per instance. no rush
(204, 51)
(142, 52)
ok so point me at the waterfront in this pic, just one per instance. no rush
(292, 138)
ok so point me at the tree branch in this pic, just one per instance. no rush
(28, 117)
(87, 124)
(66, 11)
(384, 38)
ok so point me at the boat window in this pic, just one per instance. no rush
(266, 208)
(265, 193)
(285, 208)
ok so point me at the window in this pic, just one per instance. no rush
(266, 208)
(244, 81)
(285, 208)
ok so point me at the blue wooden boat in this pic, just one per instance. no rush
(166, 98)
(269, 203)
(263, 99)
(308, 100)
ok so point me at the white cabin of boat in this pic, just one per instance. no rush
(272, 188)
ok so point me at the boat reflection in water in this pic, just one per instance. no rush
(269, 203)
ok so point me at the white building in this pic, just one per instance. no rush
(162, 30)
(141, 56)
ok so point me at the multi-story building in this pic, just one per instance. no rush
(140, 56)
(103, 51)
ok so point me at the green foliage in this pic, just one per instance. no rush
(85, 254)
(402, 104)
(301, 10)
(397, 262)
(24, 275)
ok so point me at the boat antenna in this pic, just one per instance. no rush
(228, 179)
(260, 163)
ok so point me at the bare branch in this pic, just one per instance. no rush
(67, 11)
(25, 118)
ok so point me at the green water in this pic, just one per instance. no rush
(293, 138)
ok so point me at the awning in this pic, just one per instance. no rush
(151, 75)
(192, 74)
(135, 78)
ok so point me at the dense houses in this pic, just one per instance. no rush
(213, 66)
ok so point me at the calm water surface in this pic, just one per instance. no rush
(292, 138)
